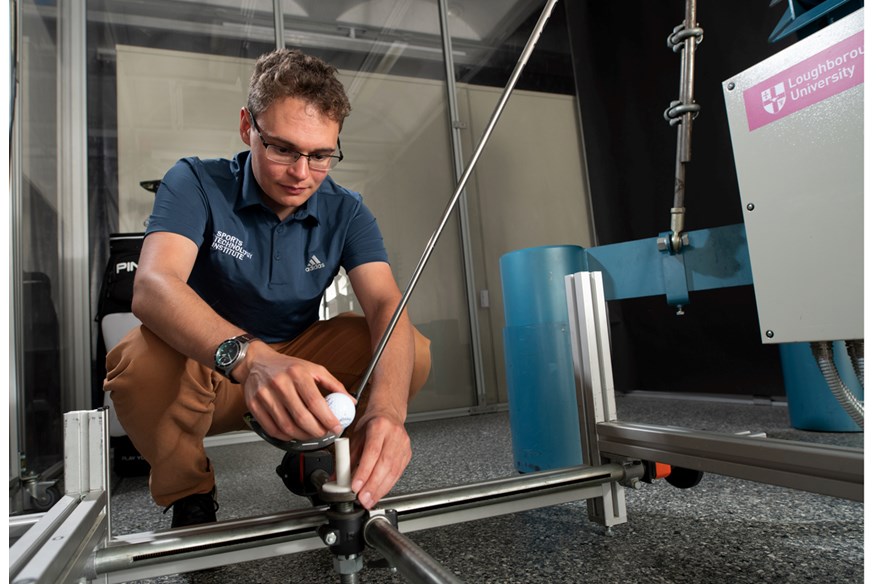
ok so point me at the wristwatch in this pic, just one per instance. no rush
(231, 352)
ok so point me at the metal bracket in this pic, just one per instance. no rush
(674, 270)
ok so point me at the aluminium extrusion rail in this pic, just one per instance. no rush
(828, 470)
(179, 550)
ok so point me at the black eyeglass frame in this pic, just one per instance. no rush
(297, 155)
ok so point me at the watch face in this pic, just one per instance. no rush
(227, 353)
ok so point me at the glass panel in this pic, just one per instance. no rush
(167, 80)
(39, 381)
(397, 153)
(141, 122)
(488, 39)
(529, 187)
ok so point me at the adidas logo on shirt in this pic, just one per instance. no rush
(314, 264)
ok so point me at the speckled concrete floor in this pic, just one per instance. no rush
(723, 531)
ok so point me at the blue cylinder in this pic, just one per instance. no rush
(543, 407)
(811, 405)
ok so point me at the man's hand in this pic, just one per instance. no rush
(383, 450)
(380, 442)
(283, 393)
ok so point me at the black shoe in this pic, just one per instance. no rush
(194, 509)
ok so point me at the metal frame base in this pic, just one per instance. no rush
(72, 542)
(828, 470)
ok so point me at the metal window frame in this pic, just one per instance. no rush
(72, 149)
(464, 223)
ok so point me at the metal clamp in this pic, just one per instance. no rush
(677, 110)
(680, 33)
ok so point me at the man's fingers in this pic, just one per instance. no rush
(286, 397)
(266, 421)
(326, 380)
(379, 483)
(364, 468)
(299, 402)
(283, 415)
(384, 457)
(315, 401)
(384, 476)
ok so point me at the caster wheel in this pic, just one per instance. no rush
(51, 496)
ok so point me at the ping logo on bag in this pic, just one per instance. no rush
(129, 267)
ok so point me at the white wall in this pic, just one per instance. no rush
(529, 190)
(172, 105)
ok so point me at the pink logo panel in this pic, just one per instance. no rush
(825, 74)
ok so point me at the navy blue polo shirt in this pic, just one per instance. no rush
(265, 275)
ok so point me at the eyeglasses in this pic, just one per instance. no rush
(283, 155)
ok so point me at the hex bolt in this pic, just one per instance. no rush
(348, 566)
(331, 538)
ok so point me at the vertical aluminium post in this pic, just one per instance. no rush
(465, 230)
(594, 383)
(14, 274)
(279, 25)
(72, 160)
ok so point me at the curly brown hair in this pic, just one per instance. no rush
(291, 73)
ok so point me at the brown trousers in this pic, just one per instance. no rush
(167, 403)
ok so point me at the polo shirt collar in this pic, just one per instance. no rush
(251, 193)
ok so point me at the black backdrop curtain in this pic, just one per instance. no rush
(625, 77)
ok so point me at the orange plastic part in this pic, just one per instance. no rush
(661, 470)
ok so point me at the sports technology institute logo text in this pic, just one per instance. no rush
(314, 264)
(230, 245)
(823, 75)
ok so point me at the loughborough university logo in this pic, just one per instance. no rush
(773, 98)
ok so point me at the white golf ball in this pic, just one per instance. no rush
(342, 407)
